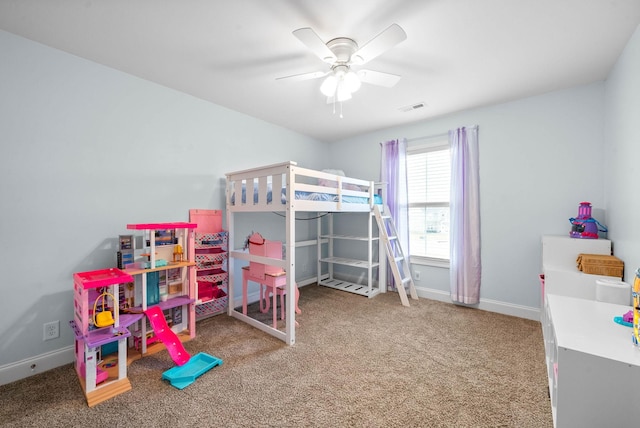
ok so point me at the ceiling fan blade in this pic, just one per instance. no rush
(304, 76)
(384, 41)
(314, 42)
(378, 78)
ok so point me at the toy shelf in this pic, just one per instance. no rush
(210, 255)
(211, 273)
(169, 265)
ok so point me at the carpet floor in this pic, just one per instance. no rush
(357, 362)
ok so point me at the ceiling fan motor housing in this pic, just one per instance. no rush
(343, 48)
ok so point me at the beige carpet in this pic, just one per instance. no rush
(356, 362)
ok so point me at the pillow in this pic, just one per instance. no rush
(351, 186)
(330, 183)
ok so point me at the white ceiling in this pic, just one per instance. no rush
(458, 54)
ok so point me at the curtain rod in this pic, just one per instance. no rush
(428, 137)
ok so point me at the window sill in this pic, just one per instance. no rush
(429, 261)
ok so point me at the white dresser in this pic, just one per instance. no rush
(562, 277)
(592, 364)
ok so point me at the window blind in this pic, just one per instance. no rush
(429, 178)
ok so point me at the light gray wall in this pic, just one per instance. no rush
(622, 156)
(87, 150)
(539, 157)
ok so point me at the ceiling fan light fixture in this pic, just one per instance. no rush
(329, 86)
(343, 93)
(352, 81)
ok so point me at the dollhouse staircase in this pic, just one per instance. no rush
(395, 256)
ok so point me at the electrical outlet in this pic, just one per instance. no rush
(51, 330)
(416, 275)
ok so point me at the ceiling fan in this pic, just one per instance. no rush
(341, 54)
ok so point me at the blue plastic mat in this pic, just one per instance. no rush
(621, 321)
(183, 376)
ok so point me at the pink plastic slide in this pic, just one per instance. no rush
(163, 332)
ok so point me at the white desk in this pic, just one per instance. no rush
(592, 364)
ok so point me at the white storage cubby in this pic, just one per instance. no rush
(592, 365)
(561, 251)
(559, 266)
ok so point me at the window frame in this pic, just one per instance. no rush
(441, 143)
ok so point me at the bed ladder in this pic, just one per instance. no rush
(397, 260)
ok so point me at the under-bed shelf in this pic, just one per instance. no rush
(361, 289)
(350, 237)
(349, 262)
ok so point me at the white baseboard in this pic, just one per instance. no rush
(504, 308)
(499, 307)
(41, 363)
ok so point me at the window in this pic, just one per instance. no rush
(429, 177)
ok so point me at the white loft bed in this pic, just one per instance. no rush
(289, 189)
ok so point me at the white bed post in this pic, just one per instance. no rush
(290, 321)
(318, 248)
(382, 250)
(330, 246)
(382, 269)
(370, 255)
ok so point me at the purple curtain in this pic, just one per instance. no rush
(393, 172)
(465, 264)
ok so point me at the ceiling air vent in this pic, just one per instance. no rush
(412, 107)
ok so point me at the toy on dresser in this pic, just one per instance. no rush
(584, 226)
